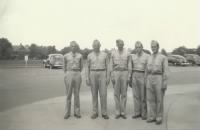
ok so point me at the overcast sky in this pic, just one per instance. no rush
(56, 22)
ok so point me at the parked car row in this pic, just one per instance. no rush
(53, 61)
(57, 60)
(187, 59)
(193, 59)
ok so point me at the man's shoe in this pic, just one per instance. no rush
(136, 116)
(66, 116)
(150, 120)
(77, 116)
(123, 116)
(158, 122)
(144, 118)
(94, 116)
(117, 116)
(105, 116)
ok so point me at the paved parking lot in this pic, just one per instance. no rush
(36, 91)
(23, 85)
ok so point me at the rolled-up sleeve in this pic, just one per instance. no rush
(107, 67)
(65, 64)
(111, 67)
(165, 72)
(87, 69)
(130, 66)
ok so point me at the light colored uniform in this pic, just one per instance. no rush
(157, 76)
(98, 73)
(139, 64)
(72, 68)
(119, 73)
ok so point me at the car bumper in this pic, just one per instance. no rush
(57, 65)
(185, 64)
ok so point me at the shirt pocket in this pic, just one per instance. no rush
(116, 60)
(157, 67)
(149, 67)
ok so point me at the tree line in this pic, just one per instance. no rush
(9, 51)
(34, 51)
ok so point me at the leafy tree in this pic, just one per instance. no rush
(33, 50)
(19, 51)
(180, 51)
(163, 51)
(51, 49)
(85, 52)
(65, 50)
(5, 48)
(198, 50)
(191, 51)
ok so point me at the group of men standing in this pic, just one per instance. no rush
(146, 74)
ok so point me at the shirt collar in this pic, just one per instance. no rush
(73, 54)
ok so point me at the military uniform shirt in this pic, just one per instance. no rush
(158, 64)
(73, 61)
(119, 60)
(97, 61)
(139, 62)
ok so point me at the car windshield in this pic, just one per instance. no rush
(56, 58)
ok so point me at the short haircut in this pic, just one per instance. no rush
(73, 43)
(138, 43)
(96, 41)
(119, 41)
(156, 42)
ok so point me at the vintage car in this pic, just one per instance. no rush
(193, 59)
(54, 61)
(178, 60)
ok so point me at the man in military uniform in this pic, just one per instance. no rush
(119, 76)
(72, 68)
(157, 76)
(98, 78)
(138, 64)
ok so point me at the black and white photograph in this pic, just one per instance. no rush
(99, 64)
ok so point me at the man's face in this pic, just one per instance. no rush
(154, 47)
(138, 48)
(120, 45)
(74, 47)
(96, 46)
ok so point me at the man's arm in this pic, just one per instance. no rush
(107, 70)
(65, 64)
(87, 72)
(146, 70)
(112, 69)
(130, 65)
(165, 73)
(81, 63)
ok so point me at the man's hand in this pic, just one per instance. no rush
(107, 81)
(163, 90)
(129, 82)
(164, 86)
(113, 82)
(88, 82)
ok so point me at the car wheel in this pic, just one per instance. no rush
(44, 65)
(51, 67)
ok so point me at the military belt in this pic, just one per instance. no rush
(76, 70)
(154, 73)
(98, 69)
(139, 71)
(120, 69)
